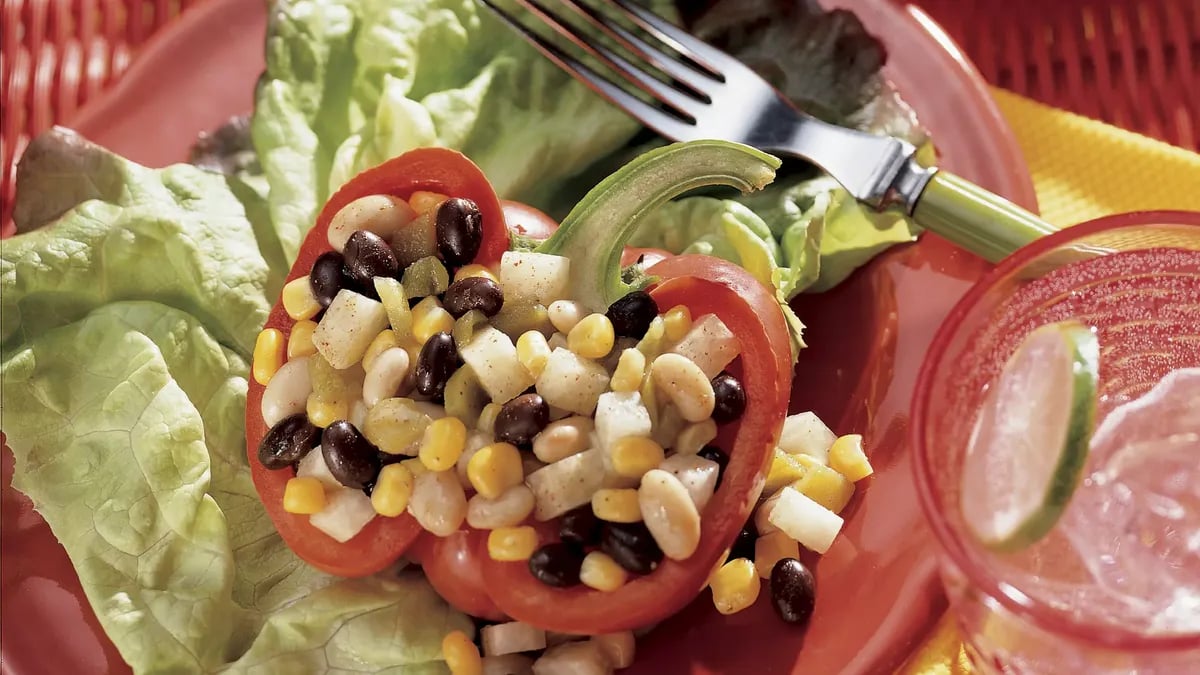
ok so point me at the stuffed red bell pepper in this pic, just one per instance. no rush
(576, 445)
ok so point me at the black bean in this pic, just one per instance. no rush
(459, 231)
(351, 458)
(435, 364)
(521, 419)
(386, 458)
(632, 314)
(288, 441)
(471, 293)
(743, 546)
(631, 546)
(368, 256)
(793, 591)
(731, 398)
(715, 454)
(326, 277)
(557, 564)
(580, 526)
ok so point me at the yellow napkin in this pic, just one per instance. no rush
(1082, 169)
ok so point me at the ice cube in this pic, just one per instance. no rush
(1135, 518)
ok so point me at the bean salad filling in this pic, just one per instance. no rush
(415, 381)
(426, 383)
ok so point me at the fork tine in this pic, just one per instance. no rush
(683, 99)
(662, 121)
(695, 77)
(678, 39)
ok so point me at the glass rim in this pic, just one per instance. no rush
(949, 539)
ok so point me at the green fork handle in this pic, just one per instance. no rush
(979, 221)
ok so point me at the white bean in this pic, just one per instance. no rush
(438, 502)
(564, 314)
(563, 438)
(669, 514)
(507, 510)
(381, 214)
(386, 375)
(685, 385)
(287, 392)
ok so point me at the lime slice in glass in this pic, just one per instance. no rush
(1030, 440)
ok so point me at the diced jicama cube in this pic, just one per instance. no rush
(618, 648)
(566, 484)
(493, 357)
(313, 465)
(349, 325)
(709, 344)
(619, 415)
(762, 515)
(806, 521)
(347, 511)
(804, 433)
(573, 658)
(572, 382)
(698, 475)
(511, 638)
(535, 277)
(509, 664)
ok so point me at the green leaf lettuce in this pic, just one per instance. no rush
(128, 322)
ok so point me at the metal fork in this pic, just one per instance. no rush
(702, 92)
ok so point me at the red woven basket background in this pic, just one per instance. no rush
(1134, 63)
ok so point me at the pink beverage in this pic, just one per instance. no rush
(1115, 586)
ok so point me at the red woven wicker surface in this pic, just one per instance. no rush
(1134, 63)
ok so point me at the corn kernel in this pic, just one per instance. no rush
(695, 436)
(735, 586)
(630, 370)
(617, 505)
(268, 355)
(632, 456)
(512, 544)
(461, 654)
(322, 413)
(393, 488)
(429, 318)
(677, 322)
(475, 270)
(592, 337)
(785, 468)
(424, 200)
(533, 351)
(487, 417)
(770, 549)
(382, 342)
(444, 441)
(495, 468)
(298, 299)
(825, 486)
(300, 342)
(847, 458)
(304, 496)
(601, 572)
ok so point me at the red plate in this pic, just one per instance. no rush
(878, 594)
